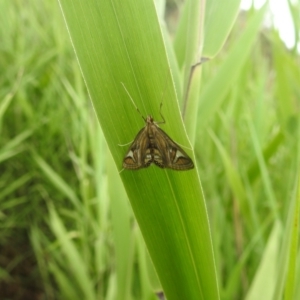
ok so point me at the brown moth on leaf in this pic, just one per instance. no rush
(153, 145)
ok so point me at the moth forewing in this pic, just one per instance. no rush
(133, 158)
(177, 158)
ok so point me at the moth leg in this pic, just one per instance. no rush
(123, 145)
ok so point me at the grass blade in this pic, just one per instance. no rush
(118, 42)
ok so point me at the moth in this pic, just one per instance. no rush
(153, 146)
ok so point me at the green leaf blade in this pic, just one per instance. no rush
(117, 43)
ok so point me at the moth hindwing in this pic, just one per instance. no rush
(153, 145)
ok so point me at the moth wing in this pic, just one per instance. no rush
(137, 153)
(171, 154)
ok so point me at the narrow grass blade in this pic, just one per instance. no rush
(57, 181)
(264, 171)
(73, 258)
(214, 92)
(219, 19)
(121, 217)
(293, 231)
(263, 285)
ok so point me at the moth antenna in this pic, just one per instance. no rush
(161, 103)
(121, 171)
(133, 102)
(163, 121)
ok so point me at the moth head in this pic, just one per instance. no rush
(149, 119)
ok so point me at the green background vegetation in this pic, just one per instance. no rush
(67, 227)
